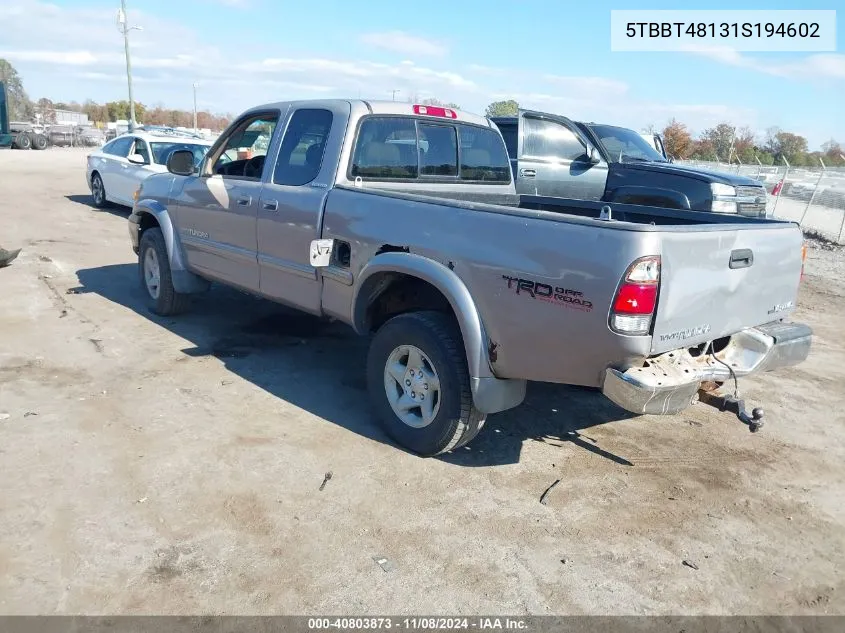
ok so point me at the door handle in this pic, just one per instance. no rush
(271, 205)
(528, 173)
(741, 258)
(245, 202)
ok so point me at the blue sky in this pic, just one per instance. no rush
(549, 55)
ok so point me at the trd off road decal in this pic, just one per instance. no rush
(550, 294)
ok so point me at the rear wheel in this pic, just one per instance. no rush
(155, 275)
(23, 141)
(98, 191)
(419, 383)
(39, 141)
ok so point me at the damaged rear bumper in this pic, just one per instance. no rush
(668, 383)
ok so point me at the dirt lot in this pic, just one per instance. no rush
(157, 465)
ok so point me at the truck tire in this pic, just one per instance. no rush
(98, 191)
(39, 141)
(155, 277)
(412, 357)
(23, 141)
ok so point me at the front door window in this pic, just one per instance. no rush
(243, 154)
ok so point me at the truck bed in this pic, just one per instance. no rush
(637, 214)
(720, 273)
(629, 217)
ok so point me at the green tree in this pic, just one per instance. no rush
(766, 158)
(502, 108)
(19, 105)
(703, 150)
(95, 111)
(118, 110)
(792, 146)
(721, 138)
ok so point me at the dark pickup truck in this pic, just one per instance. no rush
(554, 156)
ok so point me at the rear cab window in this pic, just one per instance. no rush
(409, 149)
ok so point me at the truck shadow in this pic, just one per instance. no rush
(318, 366)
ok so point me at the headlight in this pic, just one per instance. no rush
(724, 198)
(718, 189)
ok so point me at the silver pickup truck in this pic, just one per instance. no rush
(402, 221)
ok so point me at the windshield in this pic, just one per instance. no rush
(163, 150)
(622, 144)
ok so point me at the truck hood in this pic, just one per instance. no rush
(691, 172)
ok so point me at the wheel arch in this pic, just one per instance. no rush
(152, 214)
(655, 196)
(491, 394)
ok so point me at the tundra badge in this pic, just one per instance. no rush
(692, 332)
(780, 307)
(194, 233)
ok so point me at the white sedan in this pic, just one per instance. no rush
(116, 169)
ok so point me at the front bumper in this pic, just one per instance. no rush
(669, 383)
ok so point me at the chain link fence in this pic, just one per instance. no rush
(811, 196)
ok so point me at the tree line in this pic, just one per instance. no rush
(119, 110)
(727, 143)
(22, 108)
(724, 142)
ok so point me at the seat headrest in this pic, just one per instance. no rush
(314, 154)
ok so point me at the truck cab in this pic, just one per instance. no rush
(552, 155)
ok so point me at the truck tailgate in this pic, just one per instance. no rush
(717, 282)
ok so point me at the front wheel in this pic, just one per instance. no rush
(155, 275)
(418, 381)
(98, 191)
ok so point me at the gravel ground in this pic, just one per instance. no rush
(157, 465)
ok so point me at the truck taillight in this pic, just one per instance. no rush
(447, 113)
(636, 298)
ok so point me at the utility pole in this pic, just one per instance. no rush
(124, 28)
(393, 92)
(195, 107)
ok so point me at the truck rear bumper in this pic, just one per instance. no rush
(668, 383)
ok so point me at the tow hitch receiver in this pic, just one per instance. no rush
(737, 407)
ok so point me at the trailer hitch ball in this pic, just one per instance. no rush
(756, 419)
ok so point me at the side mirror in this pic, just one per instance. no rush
(137, 159)
(181, 162)
(593, 155)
